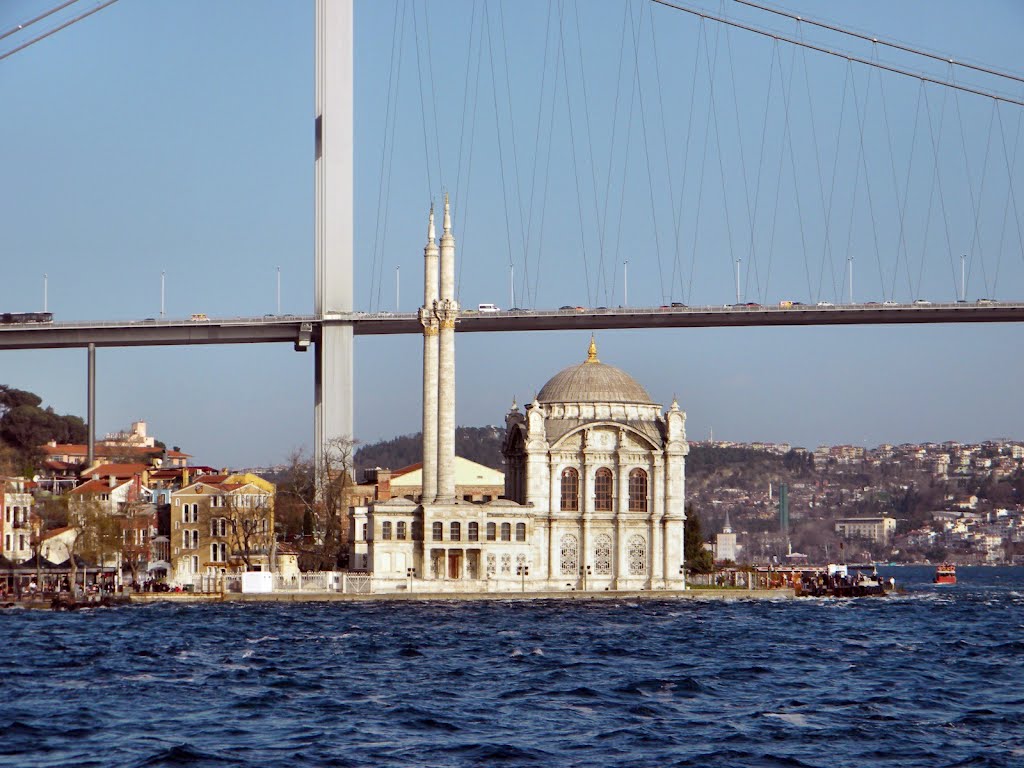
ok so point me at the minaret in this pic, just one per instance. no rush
(447, 312)
(429, 322)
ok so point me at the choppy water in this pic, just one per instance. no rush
(933, 678)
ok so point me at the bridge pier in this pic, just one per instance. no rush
(91, 405)
(333, 398)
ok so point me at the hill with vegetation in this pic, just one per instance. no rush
(25, 425)
(479, 444)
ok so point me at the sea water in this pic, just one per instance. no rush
(934, 677)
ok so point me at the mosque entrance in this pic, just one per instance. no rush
(455, 564)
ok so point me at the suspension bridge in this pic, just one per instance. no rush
(742, 158)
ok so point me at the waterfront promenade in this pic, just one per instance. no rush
(314, 597)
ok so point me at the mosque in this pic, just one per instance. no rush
(594, 480)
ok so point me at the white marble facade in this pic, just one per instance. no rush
(594, 482)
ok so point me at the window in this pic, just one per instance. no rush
(637, 555)
(506, 531)
(437, 530)
(487, 497)
(506, 564)
(492, 532)
(456, 531)
(570, 561)
(186, 539)
(520, 531)
(214, 551)
(637, 491)
(474, 532)
(603, 490)
(492, 564)
(364, 532)
(603, 555)
(385, 530)
(400, 532)
(570, 490)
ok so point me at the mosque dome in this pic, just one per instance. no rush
(593, 382)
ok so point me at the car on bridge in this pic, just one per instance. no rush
(199, 317)
(922, 303)
(825, 304)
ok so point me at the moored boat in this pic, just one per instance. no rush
(945, 574)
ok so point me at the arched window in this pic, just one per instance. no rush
(492, 532)
(400, 530)
(474, 532)
(637, 555)
(570, 555)
(385, 530)
(603, 490)
(214, 549)
(437, 529)
(637, 491)
(603, 555)
(520, 531)
(456, 531)
(570, 490)
(506, 531)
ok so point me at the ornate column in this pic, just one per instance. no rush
(656, 558)
(447, 313)
(621, 516)
(430, 350)
(586, 502)
(554, 563)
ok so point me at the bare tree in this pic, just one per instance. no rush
(319, 491)
(95, 533)
(136, 518)
(248, 525)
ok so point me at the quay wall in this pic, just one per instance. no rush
(338, 597)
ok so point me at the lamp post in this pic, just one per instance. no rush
(398, 273)
(410, 574)
(46, 290)
(279, 290)
(162, 276)
(625, 283)
(511, 285)
(523, 571)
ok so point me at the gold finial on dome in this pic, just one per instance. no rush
(592, 351)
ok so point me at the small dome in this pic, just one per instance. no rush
(593, 382)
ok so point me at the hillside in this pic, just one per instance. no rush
(479, 444)
(25, 425)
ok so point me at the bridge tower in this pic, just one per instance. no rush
(333, 398)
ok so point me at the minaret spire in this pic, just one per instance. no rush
(447, 313)
(428, 319)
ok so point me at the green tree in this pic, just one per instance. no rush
(698, 559)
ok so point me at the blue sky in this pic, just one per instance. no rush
(176, 136)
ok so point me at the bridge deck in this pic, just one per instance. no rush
(289, 328)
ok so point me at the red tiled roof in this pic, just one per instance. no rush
(105, 449)
(117, 470)
(95, 486)
(407, 470)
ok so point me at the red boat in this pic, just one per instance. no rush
(945, 574)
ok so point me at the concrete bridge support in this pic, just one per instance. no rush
(333, 395)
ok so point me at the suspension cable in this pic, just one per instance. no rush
(886, 43)
(842, 54)
(56, 29)
(40, 17)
